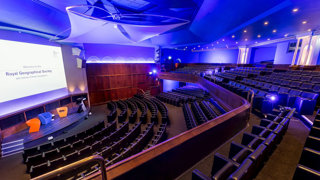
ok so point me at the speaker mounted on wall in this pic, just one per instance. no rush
(81, 63)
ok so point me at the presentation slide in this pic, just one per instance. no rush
(27, 69)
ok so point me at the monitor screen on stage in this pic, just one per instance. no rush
(27, 69)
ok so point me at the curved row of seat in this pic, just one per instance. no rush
(293, 90)
(73, 152)
(153, 109)
(112, 106)
(124, 110)
(188, 116)
(97, 130)
(210, 114)
(163, 110)
(134, 110)
(140, 142)
(198, 113)
(246, 159)
(109, 152)
(160, 135)
(309, 164)
(143, 108)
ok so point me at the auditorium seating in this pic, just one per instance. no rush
(111, 143)
(163, 110)
(309, 164)
(290, 87)
(134, 110)
(112, 106)
(124, 110)
(143, 108)
(246, 159)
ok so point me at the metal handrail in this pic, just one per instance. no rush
(69, 167)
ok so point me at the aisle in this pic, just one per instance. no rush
(282, 163)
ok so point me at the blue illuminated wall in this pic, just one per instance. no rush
(219, 56)
(114, 53)
(216, 56)
(282, 55)
(168, 85)
(262, 54)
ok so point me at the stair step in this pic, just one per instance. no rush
(12, 142)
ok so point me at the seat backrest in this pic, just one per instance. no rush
(309, 95)
(294, 92)
(274, 88)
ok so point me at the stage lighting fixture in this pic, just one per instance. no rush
(169, 57)
(150, 73)
(154, 71)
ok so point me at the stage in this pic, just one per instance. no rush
(23, 139)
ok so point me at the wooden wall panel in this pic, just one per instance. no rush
(108, 82)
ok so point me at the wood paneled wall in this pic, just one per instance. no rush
(108, 82)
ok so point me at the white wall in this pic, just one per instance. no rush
(76, 77)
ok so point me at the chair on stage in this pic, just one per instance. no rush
(34, 125)
(62, 111)
(45, 118)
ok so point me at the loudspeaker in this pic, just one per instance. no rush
(81, 63)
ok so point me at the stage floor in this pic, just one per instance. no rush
(54, 128)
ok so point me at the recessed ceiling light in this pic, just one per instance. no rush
(198, 45)
(309, 30)
(246, 39)
(222, 39)
(256, 42)
(304, 22)
(286, 35)
(236, 42)
(295, 10)
(268, 39)
(211, 44)
(274, 31)
(233, 36)
(266, 23)
(186, 47)
(217, 42)
(245, 31)
(207, 47)
(259, 36)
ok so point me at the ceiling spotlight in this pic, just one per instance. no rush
(286, 35)
(245, 31)
(309, 30)
(217, 42)
(233, 36)
(246, 39)
(207, 47)
(211, 44)
(222, 39)
(236, 42)
(186, 47)
(256, 42)
(198, 45)
(295, 10)
(304, 22)
(274, 31)
(268, 39)
(266, 23)
(259, 36)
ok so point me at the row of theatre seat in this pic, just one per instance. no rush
(287, 94)
(309, 164)
(246, 159)
(201, 112)
(119, 145)
(111, 143)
